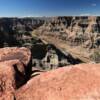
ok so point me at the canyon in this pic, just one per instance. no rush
(50, 58)
(64, 40)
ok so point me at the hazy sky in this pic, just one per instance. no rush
(20, 8)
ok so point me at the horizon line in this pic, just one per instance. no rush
(50, 16)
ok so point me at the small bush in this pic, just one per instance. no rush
(95, 56)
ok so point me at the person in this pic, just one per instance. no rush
(54, 60)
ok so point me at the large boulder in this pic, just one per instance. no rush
(13, 53)
(20, 73)
(7, 81)
(20, 60)
(12, 76)
(22, 54)
(79, 82)
(14, 63)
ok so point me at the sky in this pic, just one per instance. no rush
(38, 8)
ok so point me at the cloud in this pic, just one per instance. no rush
(93, 4)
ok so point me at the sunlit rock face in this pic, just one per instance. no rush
(7, 81)
(20, 60)
(79, 82)
(20, 81)
(15, 70)
(75, 30)
(13, 53)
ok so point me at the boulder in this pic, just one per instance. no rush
(12, 76)
(13, 53)
(7, 81)
(22, 54)
(20, 60)
(79, 82)
(20, 73)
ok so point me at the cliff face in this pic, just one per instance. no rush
(13, 29)
(17, 32)
(61, 24)
(73, 31)
(52, 42)
(74, 24)
(21, 24)
(76, 30)
(20, 81)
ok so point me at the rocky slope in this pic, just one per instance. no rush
(80, 82)
(50, 43)
(81, 33)
(14, 29)
(18, 82)
(15, 70)
(75, 30)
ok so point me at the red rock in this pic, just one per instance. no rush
(22, 54)
(13, 65)
(12, 76)
(23, 66)
(19, 68)
(79, 82)
(7, 82)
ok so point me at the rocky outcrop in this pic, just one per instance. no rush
(20, 60)
(79, 82)
(15, 53)
(12, 76)
(15, 70)
(19, 82)
(7, 81)
(48, 57)
(8, 25)
(12, 30)
(74, 30)
(18, 77)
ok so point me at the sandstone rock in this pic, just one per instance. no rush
(72, 27)
(79, 82)
(12, 76)
(23, 66)
(18, 69)
(20, 72)
(22, 54)
(7, 81)
(20, 60)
